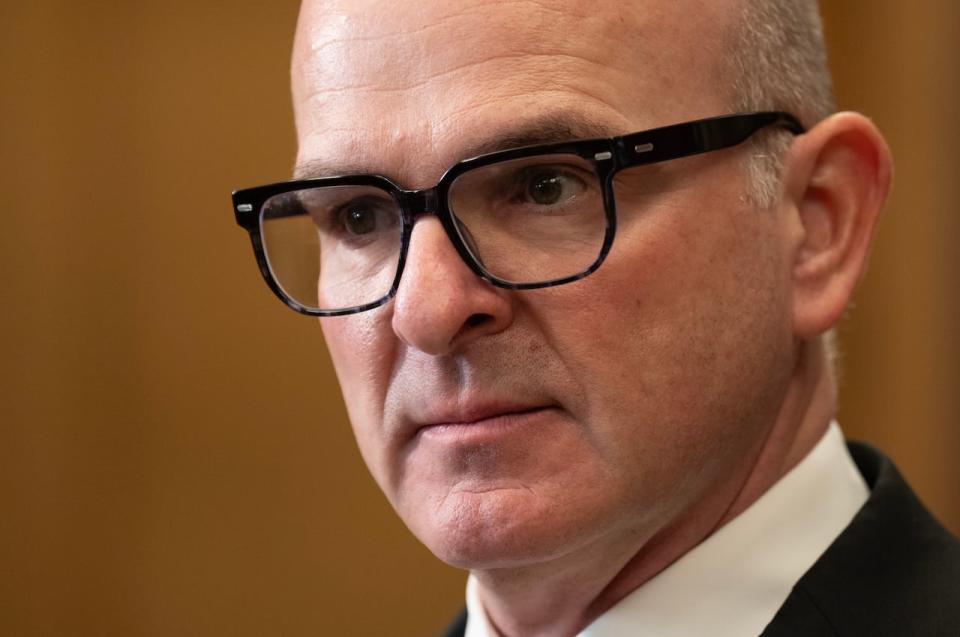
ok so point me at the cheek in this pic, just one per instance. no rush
(676, 336)
(362, 350)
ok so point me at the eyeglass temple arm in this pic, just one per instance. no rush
(693, 138)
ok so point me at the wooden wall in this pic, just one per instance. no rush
(174, 457)
(900, 64)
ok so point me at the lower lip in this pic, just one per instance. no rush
(487, 429)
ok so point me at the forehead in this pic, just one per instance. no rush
(374, 79)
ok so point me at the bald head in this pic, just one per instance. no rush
(392, 70)
(356, 60)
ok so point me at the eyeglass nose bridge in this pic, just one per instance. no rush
(417, 203)
(420, 202)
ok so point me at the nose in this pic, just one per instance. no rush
(441, 305)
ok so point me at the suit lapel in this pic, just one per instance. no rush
(888, 573)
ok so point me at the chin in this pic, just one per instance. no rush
(498, 528)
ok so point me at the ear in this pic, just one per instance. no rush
(836, 180)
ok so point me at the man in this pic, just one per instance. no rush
(597, 374)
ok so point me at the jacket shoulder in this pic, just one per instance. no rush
(893, 571)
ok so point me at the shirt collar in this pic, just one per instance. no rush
(733, 583)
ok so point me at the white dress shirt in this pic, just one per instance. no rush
(733, 583)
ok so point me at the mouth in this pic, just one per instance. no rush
(484, 424)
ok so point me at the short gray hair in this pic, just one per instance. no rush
(778, 61)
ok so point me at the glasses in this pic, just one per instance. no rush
(525, 218)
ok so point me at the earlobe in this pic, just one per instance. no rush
(836, 177)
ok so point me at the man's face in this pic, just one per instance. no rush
(513, 427)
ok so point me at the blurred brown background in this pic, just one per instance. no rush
(174, 458)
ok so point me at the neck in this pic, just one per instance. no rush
(561, 598)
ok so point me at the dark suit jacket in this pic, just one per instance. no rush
(893, 571)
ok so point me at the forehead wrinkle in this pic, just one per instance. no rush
(420, 83)
(545, 129)
(408, 58)
(563, 79)
(545, 55)
(439, 21)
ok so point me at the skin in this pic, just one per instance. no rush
(582, 437)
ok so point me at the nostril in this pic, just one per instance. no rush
(477, 319)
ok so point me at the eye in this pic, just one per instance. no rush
(358, 220)
(552, 186)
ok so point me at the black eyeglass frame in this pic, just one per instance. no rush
(607, 155)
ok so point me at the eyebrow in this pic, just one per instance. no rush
(546, 129)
